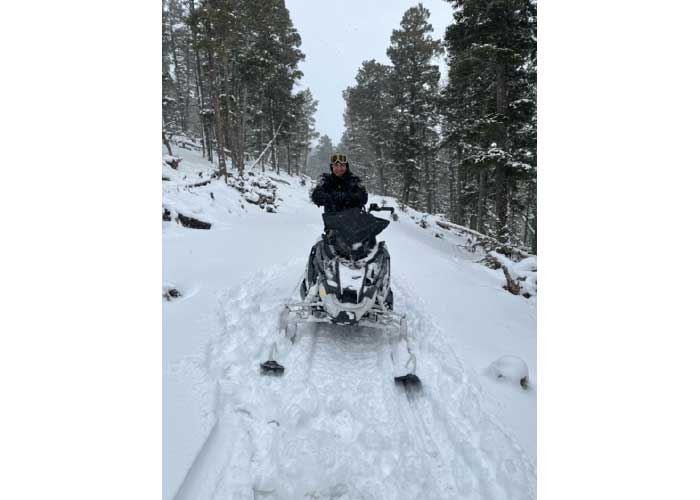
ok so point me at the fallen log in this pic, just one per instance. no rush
(494, 243)
(511, 285)
(267, 147)
(277, 179)
(192, 223)
(198, 184)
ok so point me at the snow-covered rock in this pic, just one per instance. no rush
(510, 368)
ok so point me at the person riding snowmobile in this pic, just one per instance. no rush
(340, 189)
(347, 280)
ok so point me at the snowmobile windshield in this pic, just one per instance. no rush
(353, 228)
(354, 225)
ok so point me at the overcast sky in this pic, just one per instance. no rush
(337, 35)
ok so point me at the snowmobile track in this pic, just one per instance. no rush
(444, 483)
(312, 333)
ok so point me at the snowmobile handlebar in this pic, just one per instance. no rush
(376, 208)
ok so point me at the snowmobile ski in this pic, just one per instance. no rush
(408, 380)
(403, 359)
(272, 367)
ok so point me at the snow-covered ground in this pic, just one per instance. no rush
(335, 425)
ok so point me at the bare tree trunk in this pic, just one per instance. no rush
(289, 161)
(501, 180)
(198, 79)
(273, 151)
(260, 146)
(306, 160)
(218, 126)
(187, 102)
(451, 211)
(428, 188)
(406, 191)
(178, 89)
(382, 176)
(481, 201)
(379, 168)
(528, 204)
(229, 111)
(430, 166)
(210, 144)
(408, 178)
(167, 144)
(462, 179)
(501, 200)
(214, 89)
(240, 132)
(534, 229)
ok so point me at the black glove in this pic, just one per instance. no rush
(320, 198)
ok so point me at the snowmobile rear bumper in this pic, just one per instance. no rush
(314, 312)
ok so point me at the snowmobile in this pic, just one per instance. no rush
(347, 282)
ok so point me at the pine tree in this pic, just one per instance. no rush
(368, 117)
(242, 64)
(320, 156)
(489, 110)
(415, 98)
(302, 131)
(272, 64)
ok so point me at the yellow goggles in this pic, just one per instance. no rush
(339, 158)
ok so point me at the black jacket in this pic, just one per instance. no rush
(339, 193)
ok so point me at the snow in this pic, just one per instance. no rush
(335, 425)
(524, 272)
(510, 368)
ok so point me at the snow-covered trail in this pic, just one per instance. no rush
(336, 425)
